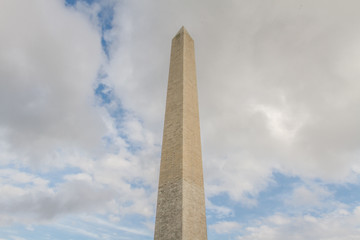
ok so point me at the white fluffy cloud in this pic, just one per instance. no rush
(309, 196)
(277, 85)
(340, 224)
(49, 61)
(50, 121)
(28, 199)
(225, 227)
(278, 88)
(112, 184)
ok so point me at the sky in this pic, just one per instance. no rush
(82, 103)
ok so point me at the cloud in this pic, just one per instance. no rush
(309, 196)
(121, 184)
(106, 224)
(17, 238)
(29, 199)
(225, 227)
(62, 151)
(339, 224)
(50, 57)
(220, 211)
(277, 85)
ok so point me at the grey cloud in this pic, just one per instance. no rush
(278, 87)
(277, 84)
(30, 205)
(338, 224)
(49, 59)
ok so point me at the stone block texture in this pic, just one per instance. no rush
(180, 212)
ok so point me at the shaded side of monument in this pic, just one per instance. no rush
(180, 212)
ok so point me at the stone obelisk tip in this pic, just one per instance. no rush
(182, 31)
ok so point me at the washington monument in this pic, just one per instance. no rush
(180, 213)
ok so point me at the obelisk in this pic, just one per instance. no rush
(180, 213)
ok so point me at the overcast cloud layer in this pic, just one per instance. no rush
(82, 99)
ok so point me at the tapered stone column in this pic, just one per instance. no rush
(180, 212)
